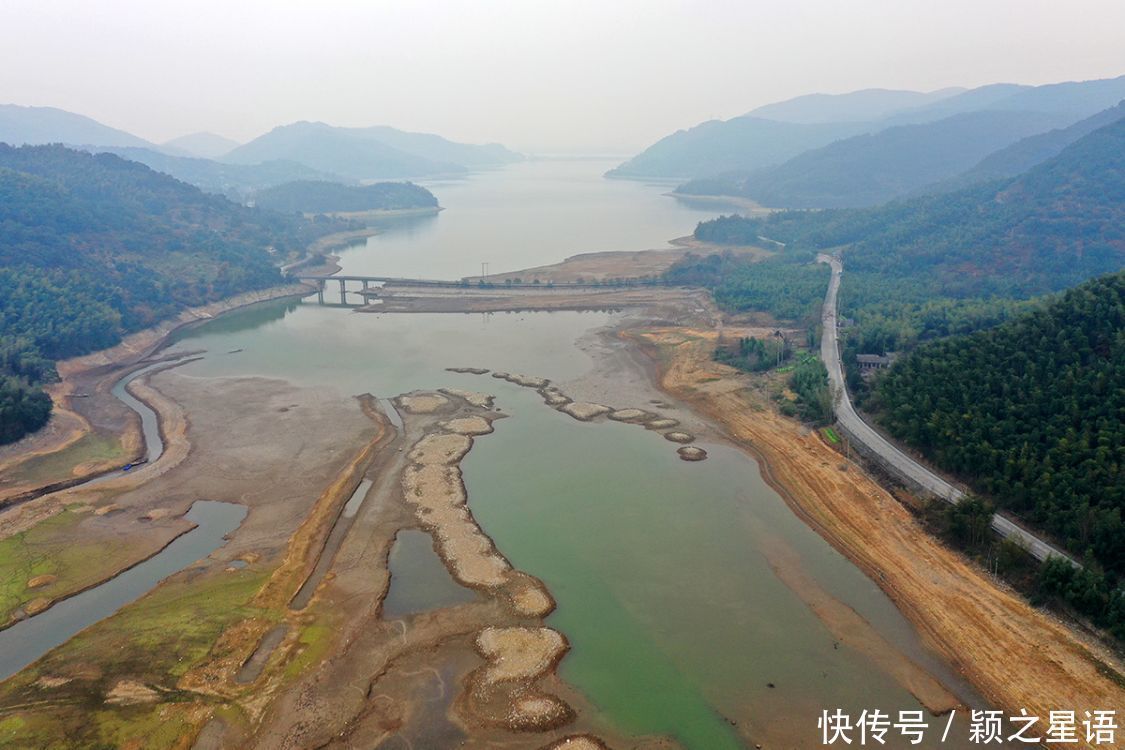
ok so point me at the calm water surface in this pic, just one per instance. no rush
(525, 215)
(677, 620)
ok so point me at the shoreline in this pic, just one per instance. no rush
(974, 624)
(103, 368)
(752, 208)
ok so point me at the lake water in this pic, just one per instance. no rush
(662, 569)
(525, 215)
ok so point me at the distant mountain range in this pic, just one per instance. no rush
(300, 151)
(1028, 152)
(869, 169)
(1047, 229)
(34, 126)
(236, 181)
(858, 106)
(864, 147)
(202, 145)
(368, 153)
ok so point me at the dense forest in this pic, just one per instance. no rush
(94, 246)
(789, 285)
(1032, 412)
(1020, 394)
(311, 196)
(1055, 226)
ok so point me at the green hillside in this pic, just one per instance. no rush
(1059, 224)
(94, 246)
(309, 196)
(870, 169)
(1029, 152)
(1031, 412)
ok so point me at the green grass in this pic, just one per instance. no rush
(55, 547)
(314, 641)
(155, 640)
(58, 466)
(831, 435)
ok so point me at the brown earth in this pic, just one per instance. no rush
(365, 685)
(1016, 656)
(619, 264)
(83, 404)
(406, 299)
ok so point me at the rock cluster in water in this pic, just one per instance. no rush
(586, 411)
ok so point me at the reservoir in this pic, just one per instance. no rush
(665, 572)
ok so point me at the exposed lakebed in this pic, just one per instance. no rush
(26, 641)
(663, 570)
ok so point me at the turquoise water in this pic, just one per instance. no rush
(660, 567)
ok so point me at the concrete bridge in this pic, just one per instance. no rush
(371, 284)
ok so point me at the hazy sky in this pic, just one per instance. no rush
(608, 76)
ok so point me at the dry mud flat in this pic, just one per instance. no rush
(1016, 656)
(480, 672)
(176, 646)
(90, 432)
(235, 661)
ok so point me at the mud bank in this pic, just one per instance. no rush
(84, 388)
(362, 690)
(1016, 656)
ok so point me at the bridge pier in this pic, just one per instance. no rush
(343, 292)
(320, 292)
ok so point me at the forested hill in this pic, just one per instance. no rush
(1055, 226)
(869, 169)
(94, 246)
(1031, 412)
(315, 196)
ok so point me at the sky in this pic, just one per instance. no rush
(601, 76)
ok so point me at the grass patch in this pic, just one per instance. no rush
(54, 467)
(831, 435)
(54, 547)
(313, 644)
(155, 641)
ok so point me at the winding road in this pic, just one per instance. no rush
(903, 464)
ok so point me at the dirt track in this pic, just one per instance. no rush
(1017, 656)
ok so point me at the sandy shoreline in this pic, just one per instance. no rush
(1016, 656)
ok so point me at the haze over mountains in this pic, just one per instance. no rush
(866, 147)
(300, 151)
(203, 145)
(1047, 229)
(367, 153)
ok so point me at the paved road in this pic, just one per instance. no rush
(850, 420)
